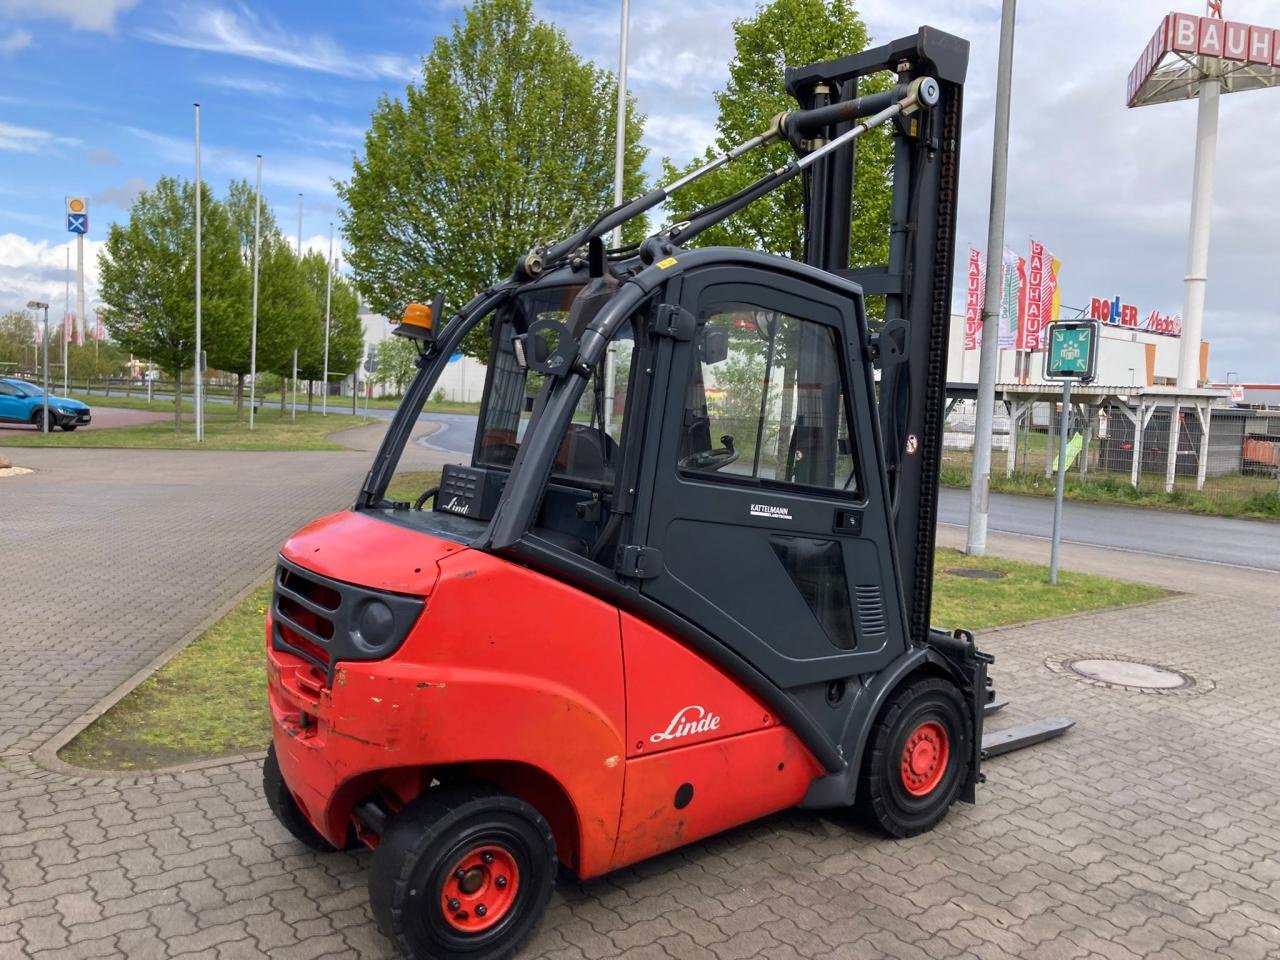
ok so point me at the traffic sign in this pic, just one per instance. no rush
(1073, 350)
(77, 205)
(77, 223)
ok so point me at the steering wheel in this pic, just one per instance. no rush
(426, 495)
(712, 459)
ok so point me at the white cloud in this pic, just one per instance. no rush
(313, 176)
(242, 33)
(18, 40)
(1105, 187)
(99, 15)
(121, 196)
(30, 140)
(32, 270)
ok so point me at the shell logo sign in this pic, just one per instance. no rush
(77, 205)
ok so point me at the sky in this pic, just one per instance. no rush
(96, 100)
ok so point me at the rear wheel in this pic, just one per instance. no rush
(916, 759)
(463, 871)
(280, 800)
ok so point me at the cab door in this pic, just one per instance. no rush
(764, 513)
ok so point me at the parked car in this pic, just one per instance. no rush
(23, 402)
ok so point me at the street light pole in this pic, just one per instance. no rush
(41, 305)
(980, 481)
(253, 336)
(328, 304)
(299, 226)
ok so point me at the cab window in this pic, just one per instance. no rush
(766, 403)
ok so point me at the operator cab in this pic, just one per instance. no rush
(699, 429)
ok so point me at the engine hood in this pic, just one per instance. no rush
(369, 552)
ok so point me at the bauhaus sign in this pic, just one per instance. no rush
(1183, 36)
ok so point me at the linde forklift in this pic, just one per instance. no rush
(684, 581)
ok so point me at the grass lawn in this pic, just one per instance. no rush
(272, 430)
(1234, 495)
(210, 700)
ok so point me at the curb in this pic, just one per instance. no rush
(46, 755)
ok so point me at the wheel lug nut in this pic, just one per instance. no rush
(454, 904)
(487, 857)
(459, 874)
(500, 883)
(481, 910)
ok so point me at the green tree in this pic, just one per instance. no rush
(396, 358)
(782, 33)
(95, 362)
(507, 141)
(346, 332)
(147, 277)
(234, 353)
(289, 317)
(17, 341)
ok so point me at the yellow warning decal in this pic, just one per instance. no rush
(663, 264)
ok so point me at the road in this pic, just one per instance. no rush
(1245, 543)
(1254, 544)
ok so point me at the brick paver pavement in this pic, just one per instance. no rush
(1148, 831)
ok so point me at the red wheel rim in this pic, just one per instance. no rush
(924, 758)
(480, 889)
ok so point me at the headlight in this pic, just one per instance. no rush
(66, 411)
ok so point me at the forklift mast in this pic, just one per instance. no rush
(915, 283)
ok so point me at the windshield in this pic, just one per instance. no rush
(475, 412)
(587, 453)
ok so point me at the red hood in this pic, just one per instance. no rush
(372, 553)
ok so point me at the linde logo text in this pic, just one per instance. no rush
(692, 719)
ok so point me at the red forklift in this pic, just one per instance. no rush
(684, 581)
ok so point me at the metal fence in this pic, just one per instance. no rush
(1241, 460)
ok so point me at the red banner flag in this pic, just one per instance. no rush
(974, 300)
(1042, 296)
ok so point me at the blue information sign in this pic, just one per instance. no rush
(77, 223)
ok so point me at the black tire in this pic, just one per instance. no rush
(440, 832)
(68, 427)
(280, 800)
(906, 793)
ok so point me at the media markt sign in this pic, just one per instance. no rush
(1073, 351)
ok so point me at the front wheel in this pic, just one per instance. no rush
(916, 758)
(462, 872)
(68, 427)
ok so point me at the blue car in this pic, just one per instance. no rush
(23, 402)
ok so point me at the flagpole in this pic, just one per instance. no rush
(299, 226)
(328, 305)
(199, 392)
(253, 338)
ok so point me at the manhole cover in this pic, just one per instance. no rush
(1128, 673)
(974, 573)
(1116, 673)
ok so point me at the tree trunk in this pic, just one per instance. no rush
(177, 401)
(310, 394)
(283, 389)
(239, 397)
